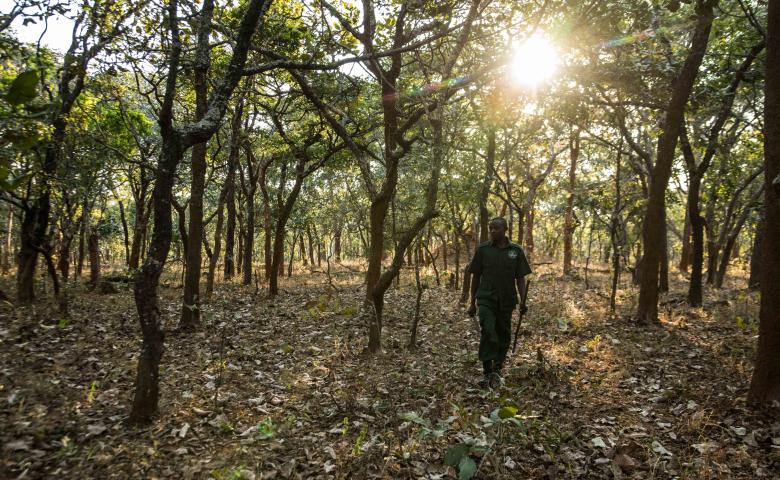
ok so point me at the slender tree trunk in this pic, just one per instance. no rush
(615, 237)
(217, 244)
(337, 243)
(568, 222)
(94, 257)
(731, 239)
(755, 256)
(125, 232)
(9, 236)
(230, 233)
(663, 279)
(249, 242)
(82, 239)
(653, 227)
(190, 308)
(686, 250)
(311, 245)
(64, 257)
(529, 231)
(292, 254)
(487, 184)
(697, 233)
(765, 384)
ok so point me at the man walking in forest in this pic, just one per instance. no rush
(497, 270)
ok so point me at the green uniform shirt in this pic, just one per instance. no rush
(498, 268)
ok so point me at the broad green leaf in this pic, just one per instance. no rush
(507, 412)
(415, 418)
(23, 88)
(466, 468)
(455, 454)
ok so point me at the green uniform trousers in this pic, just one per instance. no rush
(496, 326)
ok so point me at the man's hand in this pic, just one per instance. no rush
(472, 310)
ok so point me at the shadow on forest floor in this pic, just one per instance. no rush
(279, 388)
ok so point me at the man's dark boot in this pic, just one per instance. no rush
(487, 371)
(495, 379)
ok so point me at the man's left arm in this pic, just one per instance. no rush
(522, 270)
(521, 286)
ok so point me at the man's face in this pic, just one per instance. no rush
(497, 231)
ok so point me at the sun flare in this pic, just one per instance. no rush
(534, 61)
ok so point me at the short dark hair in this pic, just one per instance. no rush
(500, 220)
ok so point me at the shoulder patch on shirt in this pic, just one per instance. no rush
(512, 254)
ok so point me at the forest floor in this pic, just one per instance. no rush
(279, 388)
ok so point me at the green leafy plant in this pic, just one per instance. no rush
(458, 457)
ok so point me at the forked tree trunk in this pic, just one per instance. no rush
(146, 395)
(277, 263)
(653, 226)
(731, 239)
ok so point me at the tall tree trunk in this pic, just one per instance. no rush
(302, 249)
(529, 231)
(9, 236)
(217, 244)
(277, 264)
(146, 396)
(406, 239)
(310, 239)
(292, 254)
(686, 250)
(697, 233)
(94, 257)
(82, 238)
(63, 262)
(765, 384)
(653, 227)
(125, 232)
(337, 242)
(663, 277)
(230, 233)
(487, 183)
(568, 222)
(614, 233)
(249, 241)
(190, 308)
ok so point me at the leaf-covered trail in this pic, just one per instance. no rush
(279, 389)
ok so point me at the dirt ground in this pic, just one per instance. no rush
(279, 388)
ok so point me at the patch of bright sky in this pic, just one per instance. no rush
(56, 31)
